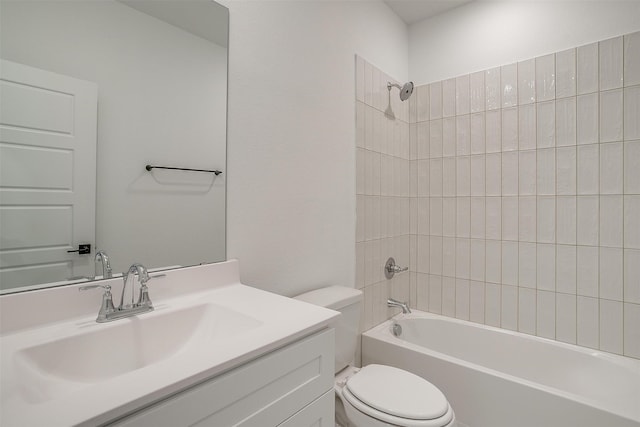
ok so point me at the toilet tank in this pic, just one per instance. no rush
(348, 302)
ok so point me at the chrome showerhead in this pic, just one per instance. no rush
(405, 90)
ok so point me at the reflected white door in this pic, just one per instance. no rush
(48, 125)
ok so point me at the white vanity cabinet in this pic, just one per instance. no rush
(291, 387)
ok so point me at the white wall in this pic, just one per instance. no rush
(485, 34)
(161, 100)
(291, 184)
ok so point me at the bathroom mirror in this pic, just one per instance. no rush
(159, 70)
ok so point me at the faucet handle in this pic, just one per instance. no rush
(107, 301)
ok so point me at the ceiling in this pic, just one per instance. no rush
(411, 11)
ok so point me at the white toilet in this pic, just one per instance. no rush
(376, 395)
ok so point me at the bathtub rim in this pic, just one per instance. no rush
(383, 332)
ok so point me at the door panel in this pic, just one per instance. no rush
(48, 125)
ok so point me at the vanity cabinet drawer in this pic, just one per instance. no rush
(320, 413)
(261, 393)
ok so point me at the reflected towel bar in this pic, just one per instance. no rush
(149, 167)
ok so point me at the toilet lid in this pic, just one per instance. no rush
(397, 392)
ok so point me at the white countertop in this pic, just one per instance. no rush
(257, 321)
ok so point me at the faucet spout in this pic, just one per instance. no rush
(403, 305)
(128, 293)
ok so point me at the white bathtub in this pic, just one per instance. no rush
(498, 378)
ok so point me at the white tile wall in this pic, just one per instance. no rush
(524, 199)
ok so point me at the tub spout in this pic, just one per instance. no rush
(403, 305)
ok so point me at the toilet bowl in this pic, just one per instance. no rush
(375, 395)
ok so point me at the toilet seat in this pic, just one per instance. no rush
(397, 397)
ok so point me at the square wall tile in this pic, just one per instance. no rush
(477, 184)
(449, 137)
(462, 95)
(611, 272)
(477, 91)
(526, 311)
(449, 176)
(631, 331)
(632, 113)
(632, 222)
(448, 296)
(476, 301)
(478, 217)
(546, 314)
(509, 85)
(632, 167)
(493, 174)
(632, 59)
(510, 173)
(566, 121)
(435, 100)
(527, 82)
(449, 256)
(509, 129)
(546, 219)
(462, 299)
(493, 299)
(477, 260)
(588, 220)
(611, 220)
(510, 263)
(566, 220)
(463, 216)
(493, 257)
(435, 138)
(566, 165)
(611, 326)
(510, 218)
(527, 265)
(509, 307)
(611, 168)
(477, 133)
(449, 98)
(546, 124)
(566, 73)
(587, 119)
(566, 261)
(527, 127)
(546, 171)
(435, 294)
(587, 271)
(527, 174)
(493, 90)
(546, 78)
(546, 276)
(588, 324)
(422, 103)
(611, 116)
(494, 218)
(611, 65)
(587, 68)
(566, 318)
(463, 135)
(527, 213)
(588, 162)
(493, 141)
(632, 276)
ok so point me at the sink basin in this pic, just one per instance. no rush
(109, 350)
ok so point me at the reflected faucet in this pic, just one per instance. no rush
(101, 256)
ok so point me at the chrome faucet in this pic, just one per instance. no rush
(126, 308)
(101, 256)
(403, 305)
